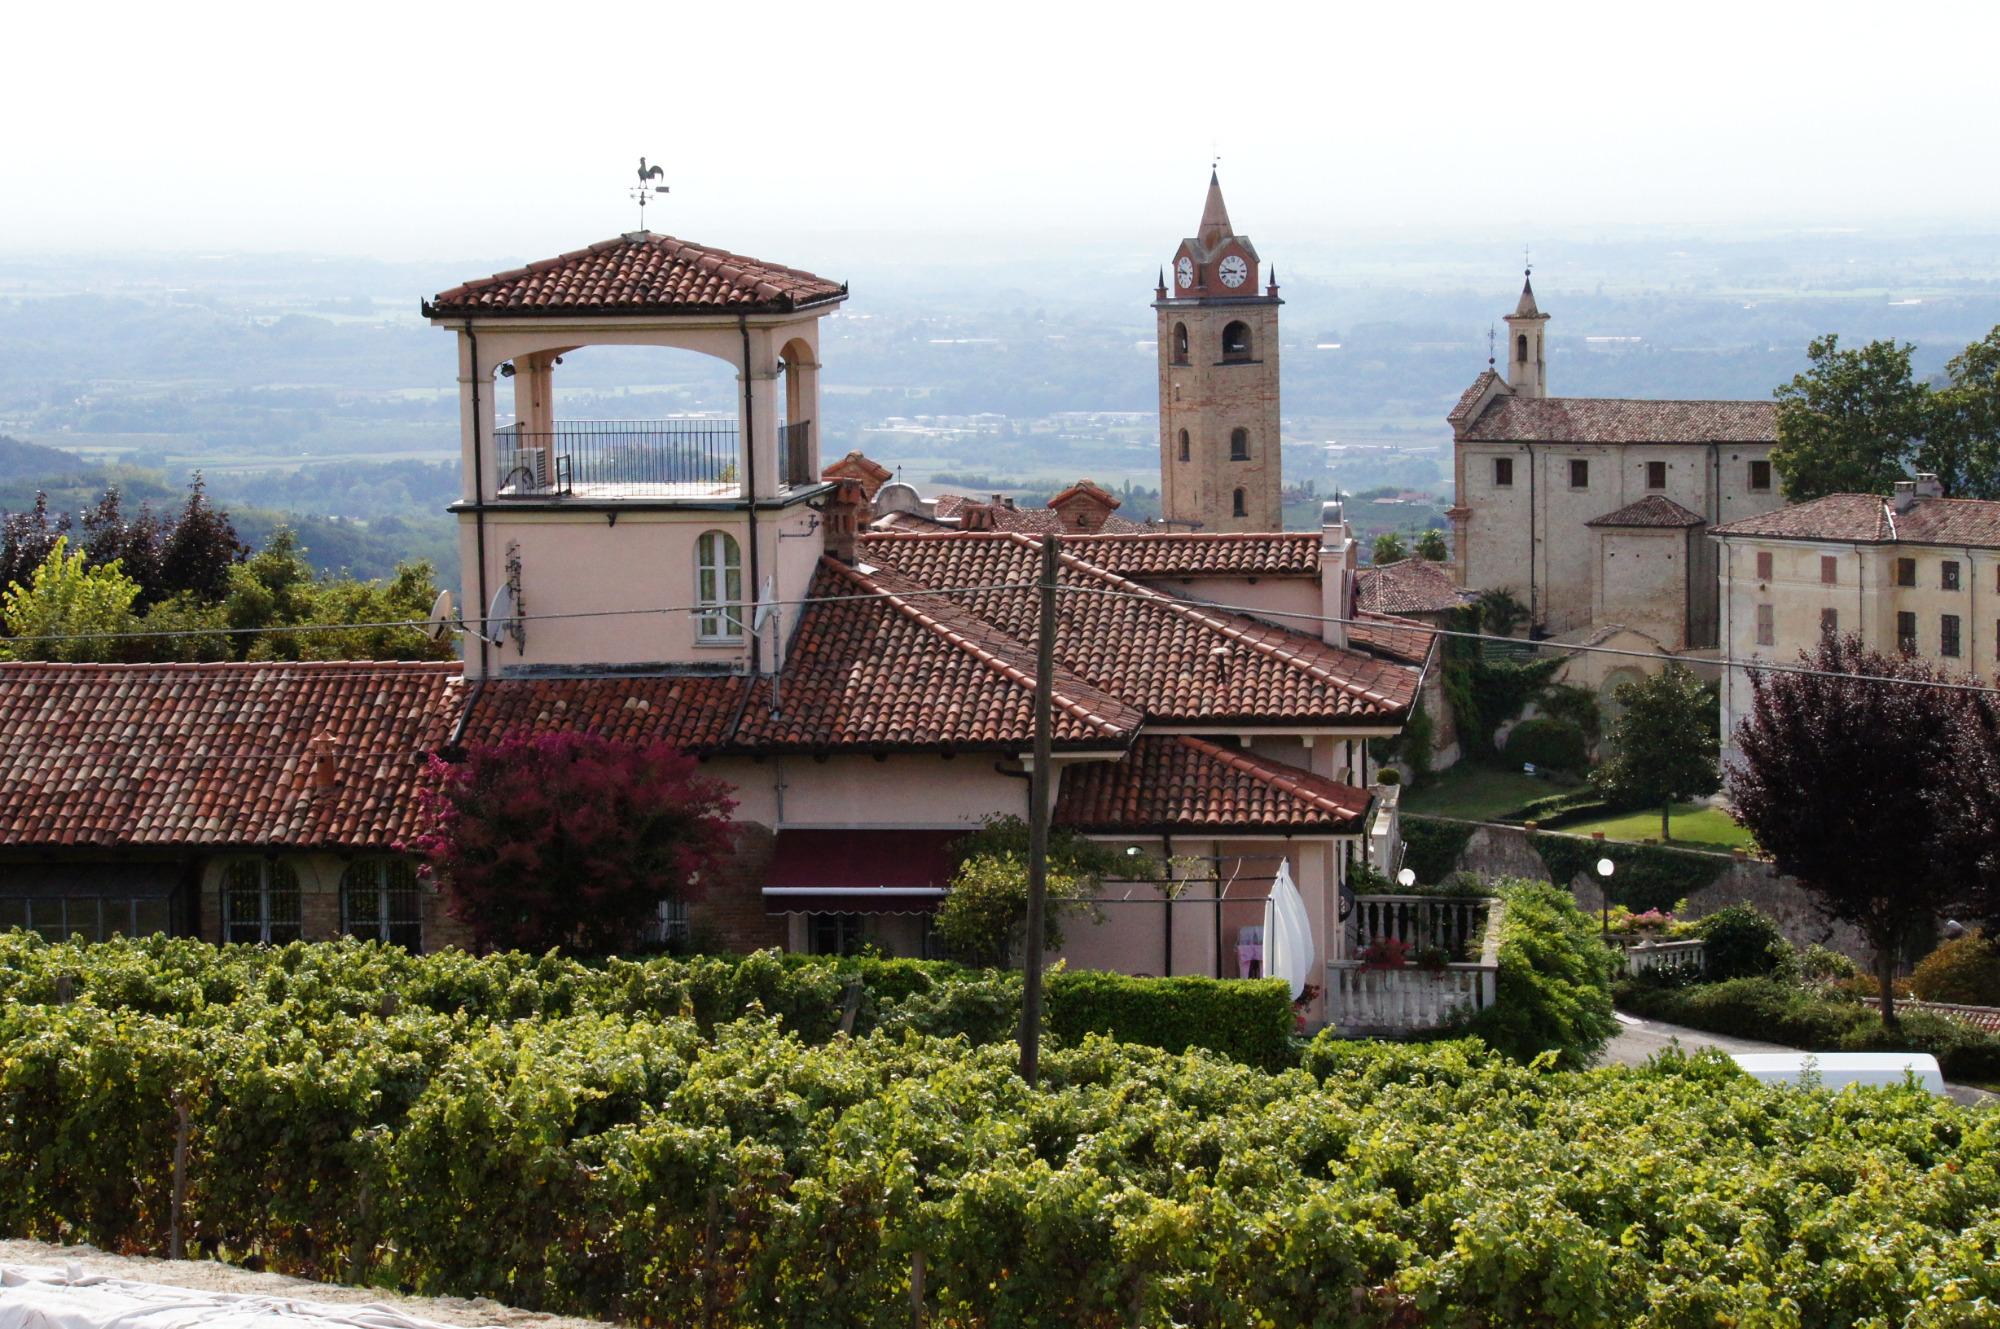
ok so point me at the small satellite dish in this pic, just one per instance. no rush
(765, 609)
(440, 624)
(500, 614)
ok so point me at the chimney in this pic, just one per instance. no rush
(1905, 496)
(843, 518)
(1337, 556)
(976, 517)
(1928, 486)
(325, 767)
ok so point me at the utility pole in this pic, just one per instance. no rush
(1038, 812)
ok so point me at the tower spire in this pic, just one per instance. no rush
(1214, 215)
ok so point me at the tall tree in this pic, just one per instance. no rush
(1389, 548)
(134, 543)
(570, 839)
(1964, 443)
(1663, 745)
(196, 555)
(1431, 545)
(1850, 782)
(1852, 422)
(26, 540)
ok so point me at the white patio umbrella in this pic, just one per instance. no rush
(1287, 932)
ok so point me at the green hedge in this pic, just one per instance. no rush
(1646, 876)
(650, 1170)
(1774, 1011)
(1251, 1022)
(1554, 986)
(1554, 745)
(1431, 848)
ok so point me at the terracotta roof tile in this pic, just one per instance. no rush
(916, 670)
(693, 711)
(1656, 510)
(638, 273)
(1869, 519)
(1412, 586)
(1470, 397)
(1179, 783)
(217, 754)
(1510, 419)
(1201, 553)
(1004, 517)
(1396, 638)
(1175, 659)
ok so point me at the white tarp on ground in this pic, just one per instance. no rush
(1287, 934)
(57, 1297)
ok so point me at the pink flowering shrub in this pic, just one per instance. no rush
(569, 839)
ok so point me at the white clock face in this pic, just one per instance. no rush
(1184, 272)
(1234, 271)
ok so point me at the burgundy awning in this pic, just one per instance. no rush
(884, 871)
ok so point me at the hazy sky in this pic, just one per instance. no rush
(416, 130)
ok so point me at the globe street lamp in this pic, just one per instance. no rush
(1605, 867)
(1406, 878)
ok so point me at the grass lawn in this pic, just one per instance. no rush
(1479, 793)
(1694, 827)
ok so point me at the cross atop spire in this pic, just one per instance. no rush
(1214, 215)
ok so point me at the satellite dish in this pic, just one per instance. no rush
(440, 624)
(765, 609)
(500, 614)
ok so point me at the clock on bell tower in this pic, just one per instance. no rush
(1219, 456)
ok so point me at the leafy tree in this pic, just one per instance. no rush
(984, 917)
(403, 598)
(65, 597)
(1431, 545)
(1964, 445)
(1664, 745)
(1389, 548)
(1843, 779)
(569, 839)
(198, 552)
(26, 539)
(1500, 612)
(1852, 422)
(132, 543)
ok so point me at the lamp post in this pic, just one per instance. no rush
(1605, 867)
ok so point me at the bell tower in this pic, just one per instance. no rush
(1220, 467)
(1527, 365)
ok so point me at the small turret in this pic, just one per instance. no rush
(1527, 364)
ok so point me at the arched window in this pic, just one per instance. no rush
(1521, 348)
(718, 587)
(380, 900)
(260, 902)
(1239, 445)
(1236, 505)
(1236, 342)
(1180, 344)
(1184, 445)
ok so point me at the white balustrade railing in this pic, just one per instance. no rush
(1410, 998)
(1650, 957)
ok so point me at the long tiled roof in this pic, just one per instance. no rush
(1391, 637)
(1411, 586)
(638, 273)
(915, 670)
(1511, 419)
(1655, 510)
(1173, 658)
(1869, 519)
(1179, 783)
(217, 754)
(696, 711)
(1201, 553)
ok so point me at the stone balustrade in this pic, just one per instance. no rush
(1652, 957)
(1410, 998)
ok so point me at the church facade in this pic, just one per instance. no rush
(1220, 462)
(1593, 512)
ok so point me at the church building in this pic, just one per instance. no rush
(1220, 463)
(1593, 512)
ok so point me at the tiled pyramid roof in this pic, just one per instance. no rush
(1653, 510)
(638, 273)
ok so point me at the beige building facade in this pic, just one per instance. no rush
(1221, 467)
(1590, 510)
(1914, 572)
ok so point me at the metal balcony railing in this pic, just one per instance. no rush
(639, 459)
(620, 459)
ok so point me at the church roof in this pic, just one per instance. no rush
(1512, 419)
(1655, 510)
(1526, 306)
(1470, 398)
(639, 273)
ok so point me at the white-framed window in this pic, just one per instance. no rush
(381, 900)
(718, 587)
(260, 902)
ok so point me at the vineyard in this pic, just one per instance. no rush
(696, 1142)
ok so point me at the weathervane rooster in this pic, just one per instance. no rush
(645, 189)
